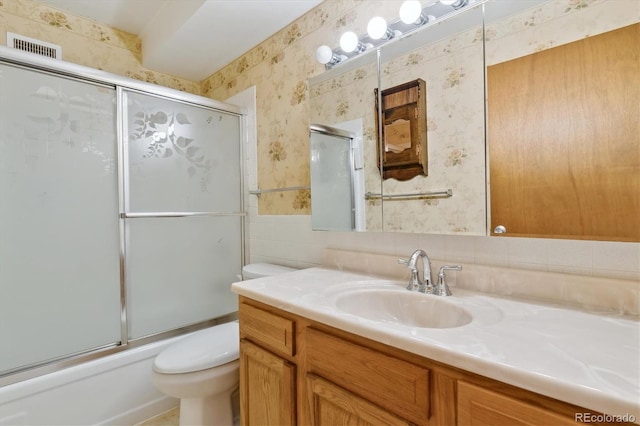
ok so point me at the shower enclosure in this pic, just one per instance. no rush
(121, 216)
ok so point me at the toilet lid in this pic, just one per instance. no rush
(201, 350)
(259, 270)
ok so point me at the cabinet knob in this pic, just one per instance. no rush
(500, 230)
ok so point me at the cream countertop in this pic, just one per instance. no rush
(586, 359)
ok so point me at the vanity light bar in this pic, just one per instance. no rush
(412, 16)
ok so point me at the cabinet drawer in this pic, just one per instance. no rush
(396, 385)
(481, 407)
(267, 329)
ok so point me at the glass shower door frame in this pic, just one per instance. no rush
(63, 69)
(126, 214)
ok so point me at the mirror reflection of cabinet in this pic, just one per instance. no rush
(448, 57)
(404, 130)
(564, 140)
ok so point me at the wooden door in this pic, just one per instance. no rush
(267, 387)
(564, 140)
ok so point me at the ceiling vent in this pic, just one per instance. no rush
(32, 45)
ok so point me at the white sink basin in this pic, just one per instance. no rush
(402, 307)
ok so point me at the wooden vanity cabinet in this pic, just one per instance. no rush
(297, 371)
(267, 367)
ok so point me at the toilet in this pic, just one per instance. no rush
(202, 369)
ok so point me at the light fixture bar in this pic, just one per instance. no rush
(412, 16)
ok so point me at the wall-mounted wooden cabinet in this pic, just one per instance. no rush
(404, 130)
(328, 377)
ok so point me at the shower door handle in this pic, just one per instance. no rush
(177, 214)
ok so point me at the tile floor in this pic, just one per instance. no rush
(168, 418)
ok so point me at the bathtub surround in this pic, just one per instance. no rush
(115, 390)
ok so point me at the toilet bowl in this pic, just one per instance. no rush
(202, 369)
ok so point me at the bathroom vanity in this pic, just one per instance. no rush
(316, 348)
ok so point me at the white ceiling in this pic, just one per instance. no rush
(191, 39)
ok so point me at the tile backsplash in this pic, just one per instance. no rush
(289, 240)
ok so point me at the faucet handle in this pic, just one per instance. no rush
(449, 268)
(442, 289)
(414, 281)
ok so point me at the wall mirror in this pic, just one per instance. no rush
(343, 99)
(448, 57)
(454, 57)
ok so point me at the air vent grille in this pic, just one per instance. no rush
(32, 45)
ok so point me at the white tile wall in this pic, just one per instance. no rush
(289, 240)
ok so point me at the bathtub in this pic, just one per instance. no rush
(113, 390)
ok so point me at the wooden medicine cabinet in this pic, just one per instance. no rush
(564, 140)
(404, 130)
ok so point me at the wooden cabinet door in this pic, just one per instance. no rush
(564, 140)
(480, 407)
(331, 405)
(267, 387)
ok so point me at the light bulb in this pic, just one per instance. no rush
(456, 4)
(349, 41)
(324, 54)
(377, 28)
(410, 11)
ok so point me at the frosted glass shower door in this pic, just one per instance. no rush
(183, 213)
(59, 263)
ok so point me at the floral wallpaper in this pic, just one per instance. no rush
(84, 42)
(279, 68)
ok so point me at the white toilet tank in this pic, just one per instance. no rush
(259, 270)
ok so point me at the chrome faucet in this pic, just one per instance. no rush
(426, 284)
